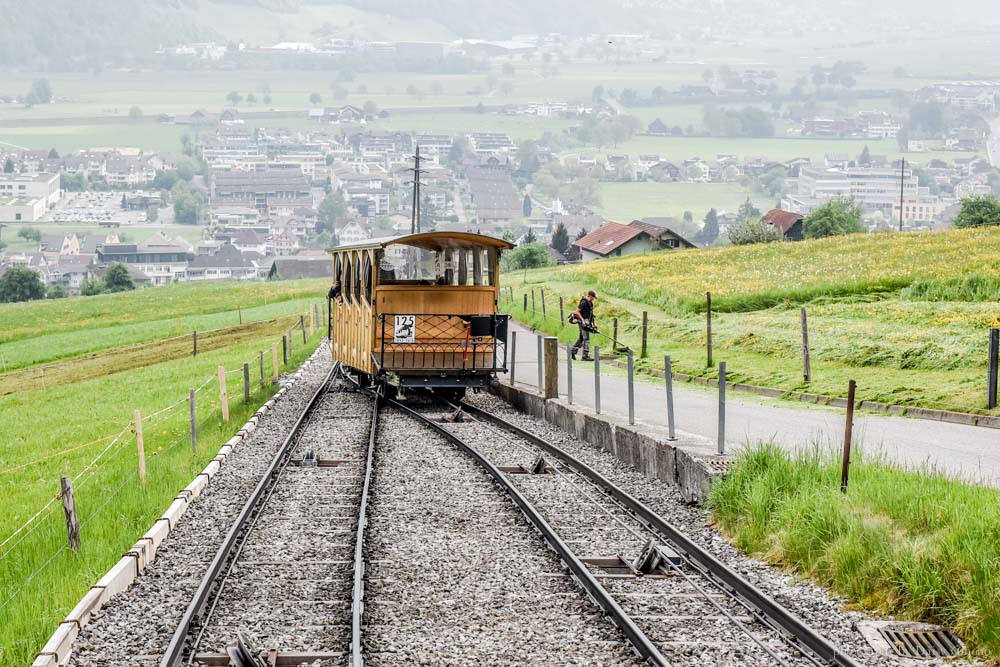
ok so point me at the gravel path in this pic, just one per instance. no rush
(136, 625)
(455, 574)
(813, 604)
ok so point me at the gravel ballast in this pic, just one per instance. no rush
(455, 574)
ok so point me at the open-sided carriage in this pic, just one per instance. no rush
(420, 310)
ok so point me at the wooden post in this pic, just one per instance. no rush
(69, 508)
(239, 309)
(223, 394)
(848, 434)
(532, 299)
(525, 307)
(614, 334)
(194, 337)
(708, 323)
(645, 332)
(551, 367)
(246, 383)
(261, 359)
(140, 446)
(806, 371)
(194, 420)
(562, 313)
(274, 361)
(544, 315)
(302, 325)
(284, 350)
(291, 343)
(992, 369)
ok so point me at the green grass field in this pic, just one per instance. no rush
(906, 316)
(54, 431)
(625, 202)
(914, 545)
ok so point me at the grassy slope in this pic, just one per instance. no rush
(910, 352)
(57, 431)
(162, 304)
(915, 545)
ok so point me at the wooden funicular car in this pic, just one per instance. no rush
(420, 310)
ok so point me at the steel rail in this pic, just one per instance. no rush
(645, 647)
(174, 653)
(358, 596)
(772, 612)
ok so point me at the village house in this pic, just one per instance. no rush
(613, 239)
(226, 264)
(788, 223)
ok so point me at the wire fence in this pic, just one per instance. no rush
(50, 543)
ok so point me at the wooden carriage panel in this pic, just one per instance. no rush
(435, 300)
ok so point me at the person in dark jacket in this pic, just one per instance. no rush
(585, 320)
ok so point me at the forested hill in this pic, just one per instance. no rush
(77, 34)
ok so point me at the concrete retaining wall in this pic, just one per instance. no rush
(57, 650)
(690, 462)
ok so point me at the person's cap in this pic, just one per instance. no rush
(592, 293)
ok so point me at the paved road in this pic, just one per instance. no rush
(969, 451)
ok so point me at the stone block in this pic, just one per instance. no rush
(61, 642)
(695, 474)
(666, 467)
(599, 432)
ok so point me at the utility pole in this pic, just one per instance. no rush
(902, 172)
(415, 212)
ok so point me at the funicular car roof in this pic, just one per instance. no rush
(430, 241)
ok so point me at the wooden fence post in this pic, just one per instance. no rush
(708, 326)
(645, 332)
(246, 383)
(284, 350)
(302, 324)
(544, 315)
(614, 334)
(261, 357)
(806, 371)
(551, 356)
(532, 299)
(140, 446)
(194, 420)
(525, 307)
(291, 343)
(194, 337)
(845, 464)
(562, 313)
(239, 309)
(223, 394)
(274, 360)
(69, 508)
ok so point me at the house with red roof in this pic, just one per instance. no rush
(788, 223)
(613, 239)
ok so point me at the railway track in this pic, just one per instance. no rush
(283, 579)
(677, 604)
(368, 544)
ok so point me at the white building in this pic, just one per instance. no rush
(45, 187)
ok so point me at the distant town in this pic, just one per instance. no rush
(267, 201)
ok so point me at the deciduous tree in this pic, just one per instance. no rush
(835, 218)
(21, 284)
(978, 212)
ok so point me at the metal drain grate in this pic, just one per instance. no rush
(916, 641)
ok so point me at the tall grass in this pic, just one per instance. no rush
(973, 287)
(915, 544)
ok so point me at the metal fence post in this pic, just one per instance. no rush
(668, 374)
(708, 327)
(722, 407)
(541, 378)
(513, 355)
(991, 371)
(597, 379)
(806, 370)
(569, 373)
(631, 389)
